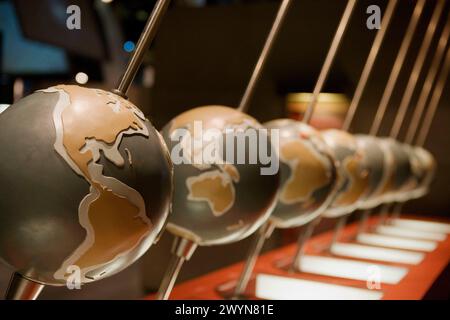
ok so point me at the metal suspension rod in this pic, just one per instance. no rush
(182, 251)
(428, 84)
(20, 288)
(303, 238)
(418, 65)
(409, 91)
(329, 59)
(434, 101)
(146, 38)
(257, 71)
(342, 221)
(363, 82)
(369, 64)
(255, 249)
(362, 226)
(398, 64)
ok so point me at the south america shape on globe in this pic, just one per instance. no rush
(124, 199)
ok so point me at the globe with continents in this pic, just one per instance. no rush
(354, 173)
(218, 199)
(308, 174)
(85, 185)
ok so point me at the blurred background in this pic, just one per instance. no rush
(203, 55)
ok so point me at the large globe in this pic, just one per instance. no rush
(217, 199)
(308, 174)
(85, 185)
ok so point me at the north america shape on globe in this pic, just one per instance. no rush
(112, 213)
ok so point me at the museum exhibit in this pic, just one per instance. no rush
(231, 150)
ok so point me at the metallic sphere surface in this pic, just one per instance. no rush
(308, 174)
(85, 185)
(218, 200)
(353, 171)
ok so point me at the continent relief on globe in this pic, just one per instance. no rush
(215, 187)
(89, 122)
(309, 172)
(358, 181)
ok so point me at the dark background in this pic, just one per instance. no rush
(204, 54)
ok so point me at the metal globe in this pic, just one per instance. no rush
(85, 185)
(379, 161)
(423, 167)
(308, 174)
(354, 173)
(400, 181)
(218, 200)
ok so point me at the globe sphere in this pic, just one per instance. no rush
(379, 161)
(354, 173)
(308, 174)
(401, 180)
(223, 189)
(85, 185)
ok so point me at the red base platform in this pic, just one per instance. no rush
(413, 286)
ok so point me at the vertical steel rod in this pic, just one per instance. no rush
(146, 38)
(170, 277)
(369, 64)
(418, 65)
(428, 84)
(338, 230)
(424, 94)
(363, 221)
(398, 64)
(20, 288)
(303, 238)
(329, 59)
(182, 250)
(257, 71)
(384, 213)
(434, 101)
(253, 253)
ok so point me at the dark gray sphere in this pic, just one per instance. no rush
(429, 166)
(378, 159)
(423, 166)
(85, 185)
(308, 174)
(218, 201)
(401, 179)
(354, 173)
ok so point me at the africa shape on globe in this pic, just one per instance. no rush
(104, 197)
(218, 158)
(216, 187)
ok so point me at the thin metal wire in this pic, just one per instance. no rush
(398, 64)
(428, 84)
(254, 251)
(329, 59)
(418, 65)
(431, 110)
(170, 277)
(257, 71)
(369, 64)
(146, 38)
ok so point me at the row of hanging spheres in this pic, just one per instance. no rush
(88, 182)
